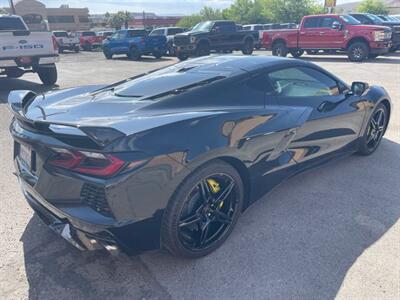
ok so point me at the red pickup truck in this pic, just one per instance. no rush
(330, 32)
(89, 40)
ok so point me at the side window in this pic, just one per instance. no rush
(311, 23)
(302, 82)
(246, 28)
(328, 22)
(158, 32)
(227, 27)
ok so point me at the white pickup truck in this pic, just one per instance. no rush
(22, 51)
(66, 41)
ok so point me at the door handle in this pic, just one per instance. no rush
(321, 32)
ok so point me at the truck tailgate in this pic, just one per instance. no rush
(20, 43)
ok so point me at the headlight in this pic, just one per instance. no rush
(192, 39)
(379, 36)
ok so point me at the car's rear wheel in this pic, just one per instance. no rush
(375, 130)
(203, 49)
(48, 74)
(107, 53)
(358, 51)
(182, 56)
(248, 47)
(134, 53)
(279, 49)
(203, 211)
(297, 53)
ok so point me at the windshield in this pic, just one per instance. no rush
(203, 26)
(60, 34)
(374, 18)
(350, 20)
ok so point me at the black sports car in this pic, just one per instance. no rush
(170, 159)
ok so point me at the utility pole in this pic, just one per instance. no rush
(12, 7)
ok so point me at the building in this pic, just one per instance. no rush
(36, 14)
(393, 6)
(151, 20)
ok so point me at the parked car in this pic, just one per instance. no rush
(169, 33)
(257, 28)
(172, 158)
(213, 35)
(88, 40)
(66, 41)
(330, 32)
(105, 34)
(22, 51)
(135, 43)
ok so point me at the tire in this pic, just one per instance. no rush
(107, 53)
(203, 49)
(182, 56)
(369, 142)
(134, 53)
(297, 53)
(48, 74)
(76, 49)
(184, 239)
(248, 47)
(171, 49)
(60, 50)
(157, 54)
(312, 52)
(358, 52)
(279, 49)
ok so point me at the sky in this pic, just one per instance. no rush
(161, 7)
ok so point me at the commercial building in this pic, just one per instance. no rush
(151, 20)
(36, 15)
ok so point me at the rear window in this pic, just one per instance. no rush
(311, 23)
(60, 34)
(88, 33)
(8, 23)
(259, 27)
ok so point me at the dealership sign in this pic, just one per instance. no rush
(330, 3)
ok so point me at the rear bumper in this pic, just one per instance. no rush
(8, 62)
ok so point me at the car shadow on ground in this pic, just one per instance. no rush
(7, 85)
(390, 58)
(149, 59)
(298, 242)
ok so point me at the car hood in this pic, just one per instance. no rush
(370, 27)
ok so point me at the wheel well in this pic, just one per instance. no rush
(278, 41)
(387, 105)
(244, 175)
(357, 39)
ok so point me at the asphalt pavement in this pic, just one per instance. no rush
(332, 232)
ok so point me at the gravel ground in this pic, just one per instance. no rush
(333, 232)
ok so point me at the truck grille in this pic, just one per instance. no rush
(181, 40)
(95, 197)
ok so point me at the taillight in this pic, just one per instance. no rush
(90, 163)
(55, 45)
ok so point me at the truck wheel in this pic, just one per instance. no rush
(157, 54)
(48, 74)
(182, 56)
(60, 50)
(76, 49)
(297, 53)
(107, 53)
(358, 52)
(248, 47)
(279, 49)
(203, 49)
(312, 52)
(171, 49)
(134, 54)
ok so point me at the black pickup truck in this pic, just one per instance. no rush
(213, 35)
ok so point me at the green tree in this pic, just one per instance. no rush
(118, 19)
(285, 11)
(246, 12)
(207, 13)
(3, 11)
(374, 7)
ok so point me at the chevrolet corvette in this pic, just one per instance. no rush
(169, 159)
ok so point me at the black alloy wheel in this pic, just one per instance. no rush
(375, 130)
(297, 53)
(279, 49)
(204, 211)
(203, 49)
(248, 47)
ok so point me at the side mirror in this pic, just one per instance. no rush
(336, 25)
(358, 88)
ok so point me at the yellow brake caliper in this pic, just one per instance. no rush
(215, 188)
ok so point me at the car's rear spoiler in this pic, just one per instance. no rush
(19, 101)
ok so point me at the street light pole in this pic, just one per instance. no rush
(12, 7)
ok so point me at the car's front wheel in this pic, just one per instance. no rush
(375, 130)
(48, 74)
(358, 52)
(203, 211)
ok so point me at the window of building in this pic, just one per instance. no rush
(84, 19)
(61, 19)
